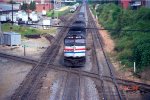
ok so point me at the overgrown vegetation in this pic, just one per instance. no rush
(131, 46)
(24, 6)
(53, 13)
(32, 5)
(23, 30)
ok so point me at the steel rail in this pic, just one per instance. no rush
(37, 71)
(18, 58)
(95, 45)
(83, 73)
(96, 35)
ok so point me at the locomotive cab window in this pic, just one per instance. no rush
(77, 29)
(79, 42)
(69, 41)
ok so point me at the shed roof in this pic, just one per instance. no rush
(11, 33)
(8, 7)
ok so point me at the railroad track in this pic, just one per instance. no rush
(103, 64)
(72, 87)
(19, 58)
(142, 86)
(27, 90)
(29, 87)
(95, 62)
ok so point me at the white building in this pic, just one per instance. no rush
(147, 3)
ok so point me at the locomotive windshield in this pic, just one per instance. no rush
(72, 42)
(69, 41)
(79, 40)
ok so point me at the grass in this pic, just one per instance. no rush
(48, 31)
(59, 12)
(24, 30)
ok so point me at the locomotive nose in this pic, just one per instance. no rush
(74, 48)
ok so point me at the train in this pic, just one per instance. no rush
(75, 43)
(74, 7)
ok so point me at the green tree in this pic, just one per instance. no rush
(32, 5)
(24, 6)
(12, 2)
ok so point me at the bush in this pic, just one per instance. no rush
(20, 29)
(142, 52)
(49, 14)
(130, 45)
(125, 54)
(53, 13)
(123, 43)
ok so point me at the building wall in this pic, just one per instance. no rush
(12, 39)
(147, 3)
(125, 3)
(40, 7)
(16, 39)
(28, 1)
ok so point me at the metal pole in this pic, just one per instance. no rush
(0, 28)
(54, 8)
(24, 50)
(57, 15)
(12, 13)
(28, 10)
(1, 34)
(49, 4)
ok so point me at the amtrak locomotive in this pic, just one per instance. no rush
(75, 43)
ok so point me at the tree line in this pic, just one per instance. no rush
(31, 6)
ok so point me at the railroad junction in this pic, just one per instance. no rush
(48, 77)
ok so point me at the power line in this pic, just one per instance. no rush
(110, 29)
(93, 28)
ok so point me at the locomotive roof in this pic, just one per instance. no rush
(78, 25)
(79, 20)
(75, 32)
(74, 35)
(81, 13)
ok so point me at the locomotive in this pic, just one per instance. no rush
(75, 43)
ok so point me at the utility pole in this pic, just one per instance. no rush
(24, 50)
(1, 35)
(54, 7)
(49, 4)
(57, 5)
(0, 28)
(12, 13)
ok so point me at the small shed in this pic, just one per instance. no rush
(12, 38)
